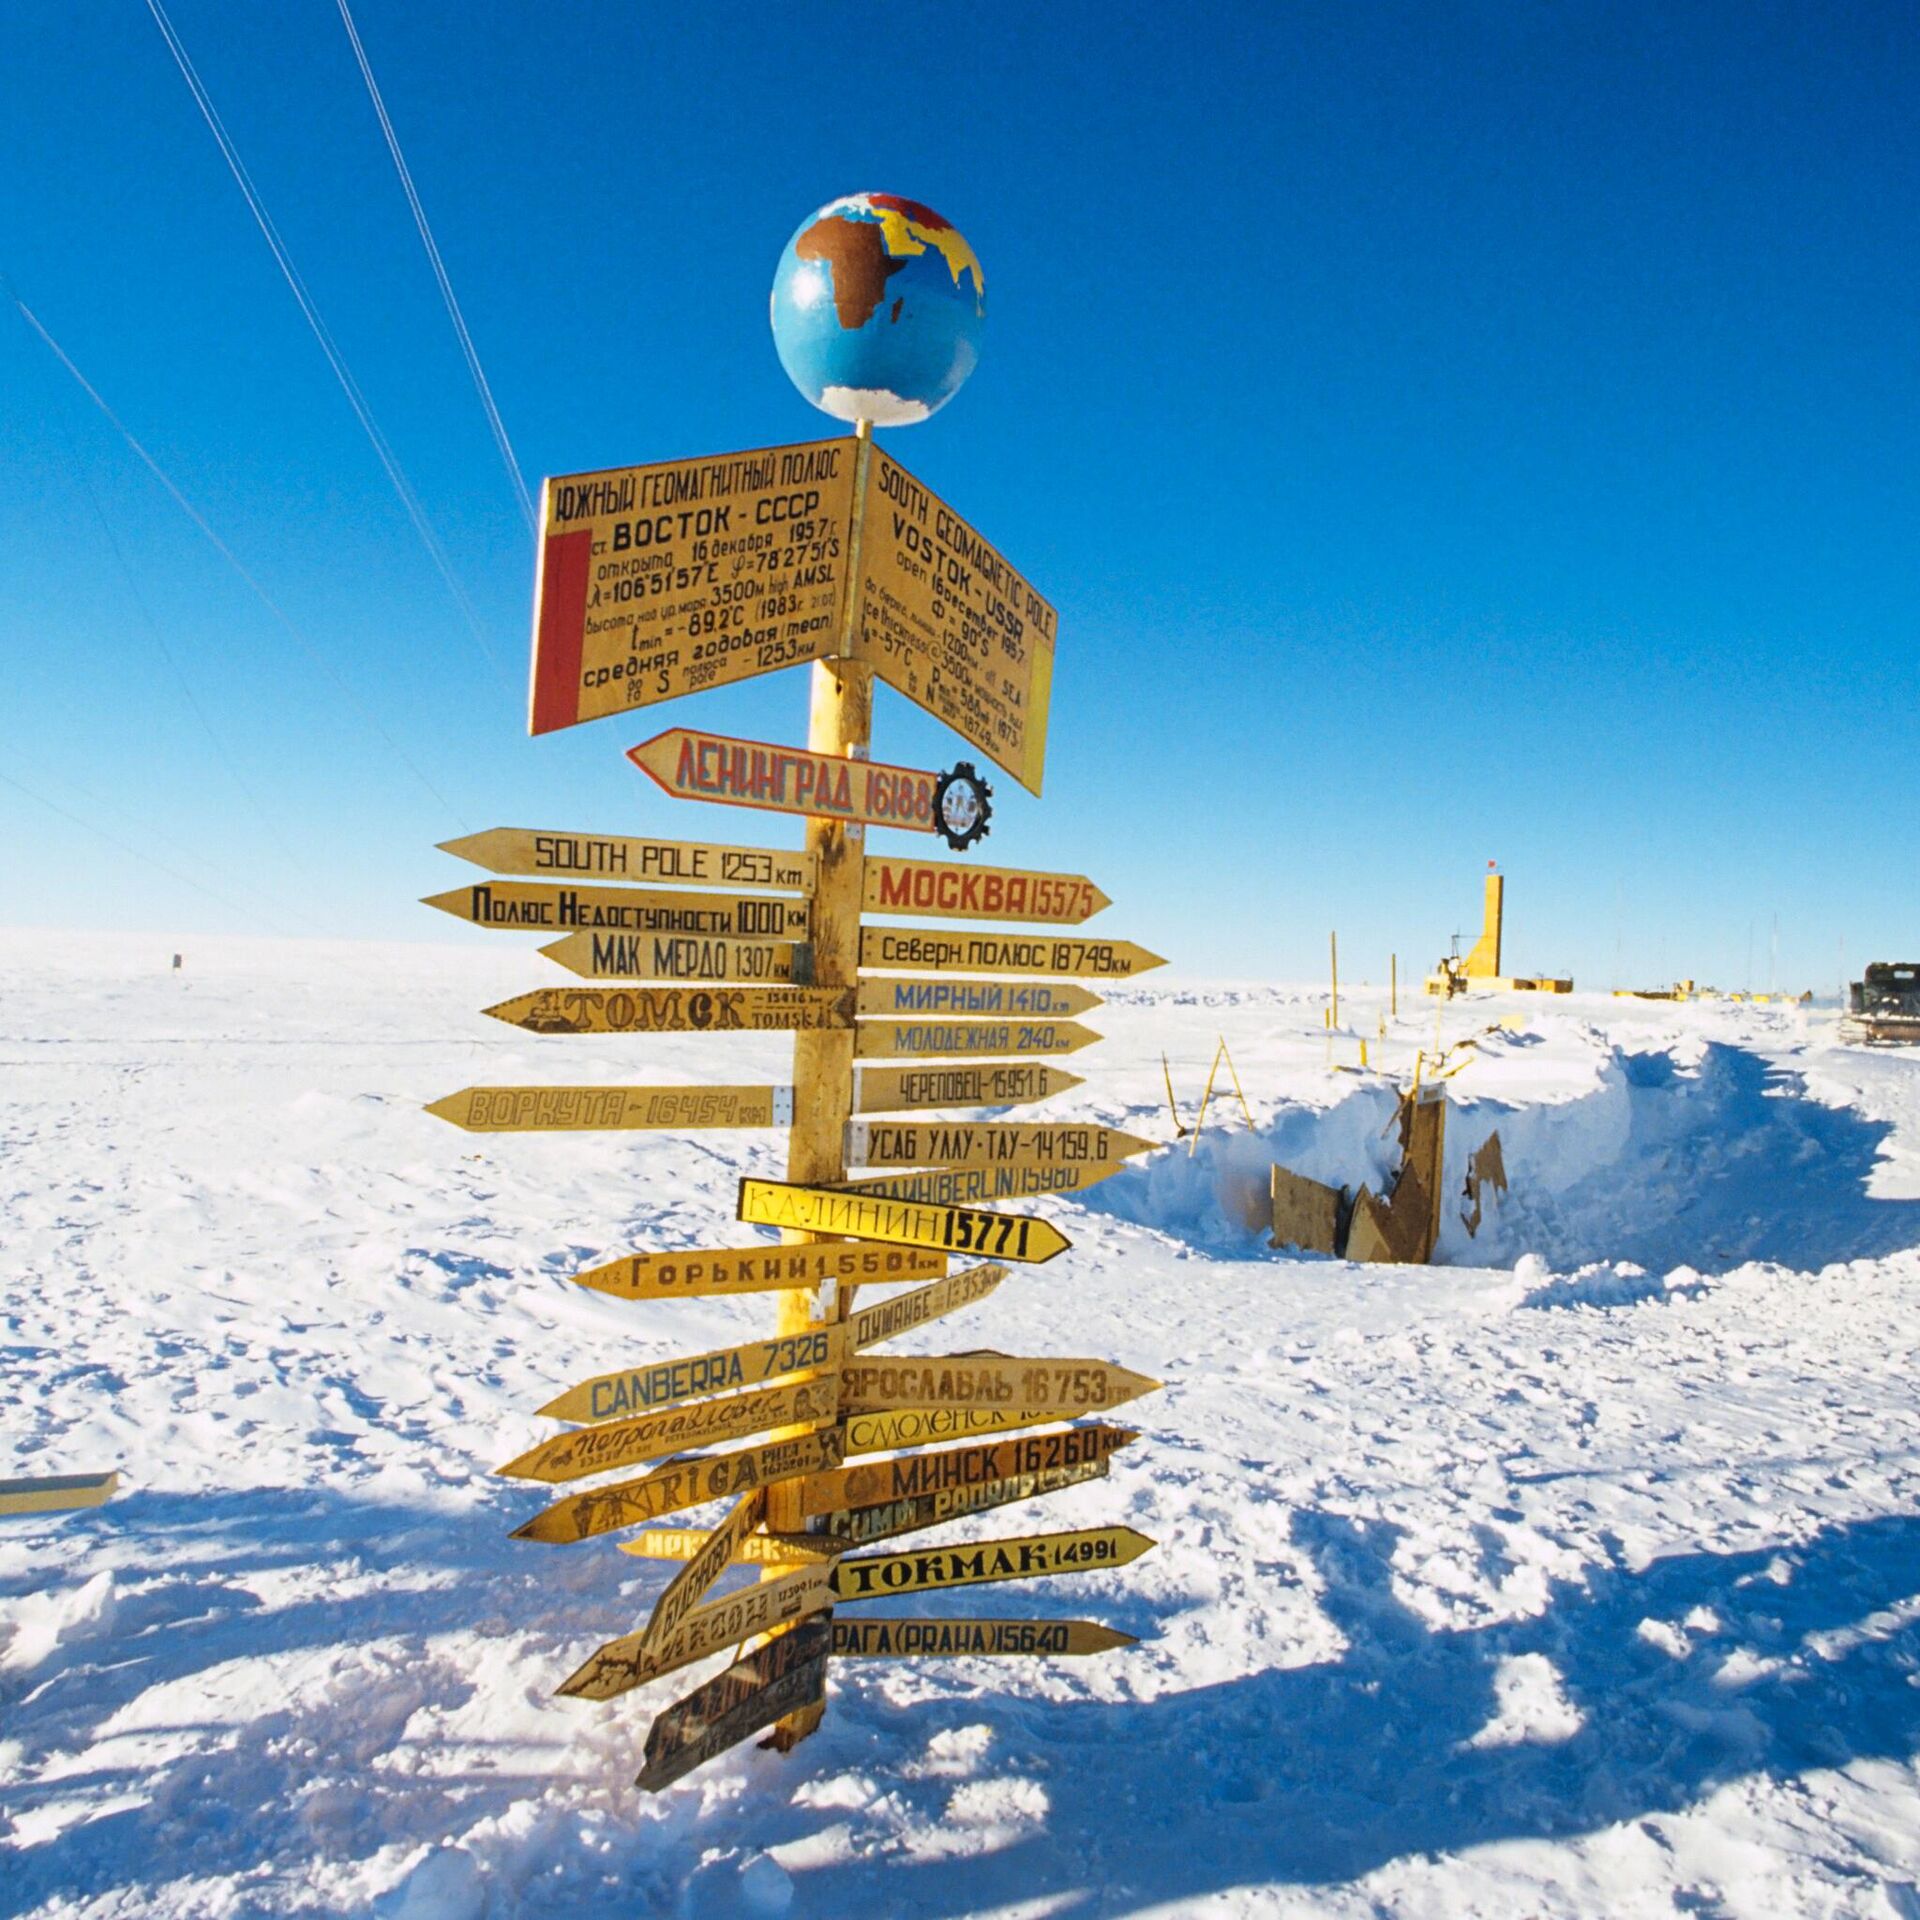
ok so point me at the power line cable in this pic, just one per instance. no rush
(454, 314)
(232, 559)
(356, 399)
(145, 859)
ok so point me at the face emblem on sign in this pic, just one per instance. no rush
(962, 806)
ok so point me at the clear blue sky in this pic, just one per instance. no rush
(1447, 431)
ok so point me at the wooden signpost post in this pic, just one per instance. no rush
(663, 580)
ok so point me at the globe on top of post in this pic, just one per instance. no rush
(878, 307)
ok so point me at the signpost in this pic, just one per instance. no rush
(998, 1236)
(669, 579)
(619, 856)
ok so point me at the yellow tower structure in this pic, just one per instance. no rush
(1483, 961)
(1481, 967)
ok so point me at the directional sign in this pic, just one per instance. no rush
(554, 909)
(905, 1311)
(979, 1186)
(626, 1663)
(945, 620)
(949, 890)
(1006, 1083)
(981, 1562)
(750, 773)
(599, 1449)
(663, 580)
(970, 999)
(917, 950)
(762, 1269)
(629, 1662)
(914, 1474)
(642, 1389)
(676, 1009)
(957, 1039)
(985, 1143)
(1069, 1387)
(872, 1637)
(618, 856)
(788, 1673)
(757, 1550)
(705, 1567)
(611, 1109)
(865, 1526)
(998, 1236)
(921, 1426)
(657, 956)
(681, 1484)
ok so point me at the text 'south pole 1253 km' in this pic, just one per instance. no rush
(660, 581)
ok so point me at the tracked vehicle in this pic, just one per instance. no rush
(1883, 1010)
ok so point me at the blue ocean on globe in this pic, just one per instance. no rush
(878, 307)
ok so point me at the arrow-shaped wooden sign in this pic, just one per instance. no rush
(613, 1109)
(910, 999)
(928, 950)
(681, 1484)
(687, 1586)
(657, 956)
(676, 1009)
(599, 1449)
(997, 1236)
(871, 1637)
(959, 1039)
(619, 856)
(988, 1143)
(922, 1426)
(876, 1482)
(867, 1526)
(979, 1186)
(1069, 1387)
(951, 890)
(751, 773)
(992, 1083)
(530, 906)
(762, 1269)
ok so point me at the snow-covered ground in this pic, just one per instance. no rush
(1580, 1575)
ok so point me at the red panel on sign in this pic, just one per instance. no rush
(566, 563)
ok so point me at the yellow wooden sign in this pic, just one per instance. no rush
(757, 1550)
(542, 908)
(981, 1562)
(905, 1311)
(1004, 1083)
(725, 772)
(866, 1526)
(997, 1236)
(952, 890)
(681, 1484)
(58, 1492)
(599, 1449)
(629, 1662)
(971, 999)
(619, 856)
(1069, 1387)
(979, 1186)
(960, 1039)
(613, 1109)
(788, 1673)
(644, 1388)
(872, 1637)
(663, 580)
(922, 1426)
(908, 1477)
(659, 956)
(988, 1143)
(923, 950)
(675, 1010)
(762, 1269)
(705, 1567)
(943, 618)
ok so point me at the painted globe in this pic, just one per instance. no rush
(878, 307)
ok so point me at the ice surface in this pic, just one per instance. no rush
(1582, 1579)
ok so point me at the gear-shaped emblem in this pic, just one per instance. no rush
(962, 806)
